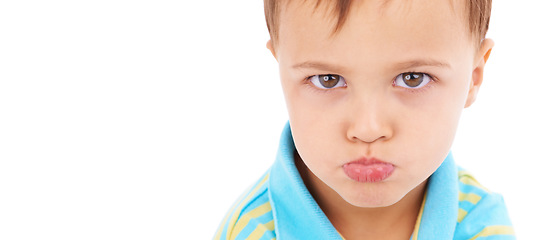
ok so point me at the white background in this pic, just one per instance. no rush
(147, 119)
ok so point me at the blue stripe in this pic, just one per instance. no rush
(224, 234)
(489, 211)
(247, 230)
(265, 218)
(260, 198)
(466, 205)
(241, 200)
(466, 188)
(268, 235)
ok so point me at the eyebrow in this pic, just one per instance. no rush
(319, 66)
(423, 62)
(402, 65)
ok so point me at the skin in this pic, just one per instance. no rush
(371, 115)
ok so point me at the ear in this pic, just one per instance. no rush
(270, 47)
(478, 70)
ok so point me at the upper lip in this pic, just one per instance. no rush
(368, 161)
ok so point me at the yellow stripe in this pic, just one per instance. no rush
(471, 197)
(232, 209)
(462, 173)
(418, 222)
(494, 230)
(461, 215)
(233, 219)
(260, 230)
(244, 220)
(466, 178)
(235, 214)
(471, 181)
(270, 225)
(340, 235)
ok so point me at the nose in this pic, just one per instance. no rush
(369, 120)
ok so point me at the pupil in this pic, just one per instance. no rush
(413, 79)
(329, 81)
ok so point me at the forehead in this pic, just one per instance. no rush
(399, 27)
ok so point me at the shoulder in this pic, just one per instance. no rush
(251, 216)
(482, 213)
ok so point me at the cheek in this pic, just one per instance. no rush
(315, 131)
(314, 121)
(310, 110)
(438, 120)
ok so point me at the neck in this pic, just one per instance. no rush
(396, 221)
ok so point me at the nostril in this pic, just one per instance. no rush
(367, 136)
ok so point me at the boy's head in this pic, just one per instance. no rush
(381, 80)
(476, 14)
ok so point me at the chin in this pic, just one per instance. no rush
(371, 200)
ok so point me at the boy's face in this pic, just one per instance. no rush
(369, 110)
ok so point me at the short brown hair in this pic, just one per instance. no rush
(478, 16)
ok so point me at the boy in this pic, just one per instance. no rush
(374, 91)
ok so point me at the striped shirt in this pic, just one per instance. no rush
(279, 206)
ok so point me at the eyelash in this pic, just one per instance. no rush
(313, 86)
(416, 90)
(308, 81)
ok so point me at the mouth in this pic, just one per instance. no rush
(366, 170)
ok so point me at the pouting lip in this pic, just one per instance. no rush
(367, 161)
(368, 170)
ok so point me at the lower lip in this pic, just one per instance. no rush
(372, 172)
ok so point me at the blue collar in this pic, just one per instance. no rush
(298, 216)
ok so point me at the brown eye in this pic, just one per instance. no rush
(412, 80)
(327, 81)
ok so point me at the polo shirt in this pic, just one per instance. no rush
(279, 206)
